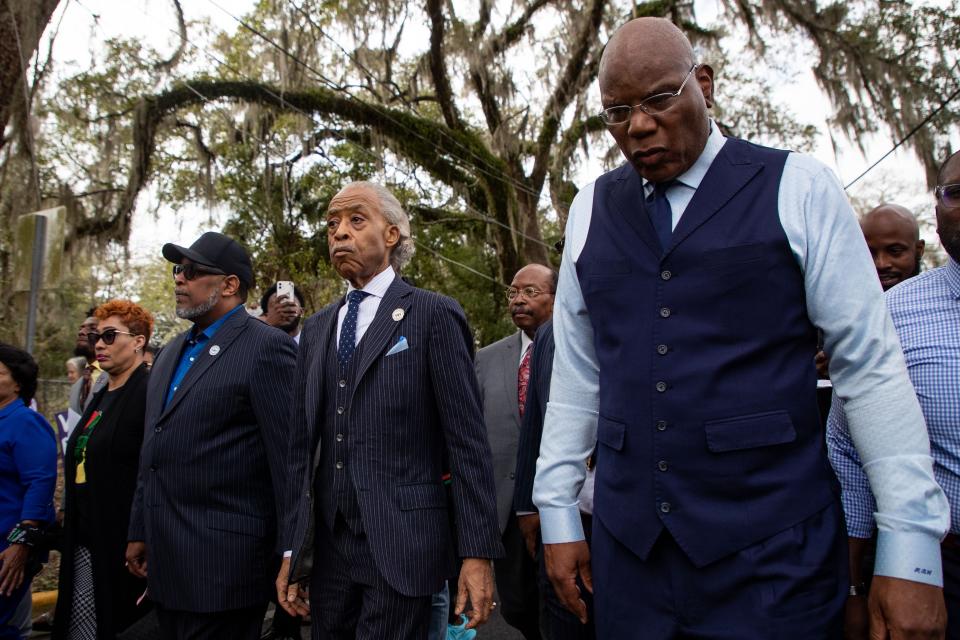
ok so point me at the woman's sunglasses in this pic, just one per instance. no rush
(107, 336)
(191, 271)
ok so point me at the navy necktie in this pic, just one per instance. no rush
(661, 215)
(348, 332)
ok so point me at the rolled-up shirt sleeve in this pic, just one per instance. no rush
(869, 375)
(570, 424)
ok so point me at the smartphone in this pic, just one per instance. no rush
(284, 289)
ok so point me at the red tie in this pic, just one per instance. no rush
(523, 378)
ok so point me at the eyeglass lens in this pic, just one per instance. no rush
(949, 195)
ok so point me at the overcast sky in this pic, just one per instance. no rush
(154, 22)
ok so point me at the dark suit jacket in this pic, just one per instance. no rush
(212, 469)
(409, 412)
(497, 366)
(112, 455)
(541, 369)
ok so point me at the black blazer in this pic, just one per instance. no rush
(410, 412)
(541, 370)
(212, 469)
(112, 455)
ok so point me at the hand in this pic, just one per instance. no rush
(822, 362)
(476, 581)
(564, 562)
(291, 597)
(12, 561)
(137, 558)
(529, 528)
(856, 619)
(906, 609)
(282, 312)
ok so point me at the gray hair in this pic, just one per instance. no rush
(393, 213)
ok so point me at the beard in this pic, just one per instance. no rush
(190, 313)
(84, 352)
(950, 239)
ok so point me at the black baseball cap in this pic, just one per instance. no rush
(215, 250)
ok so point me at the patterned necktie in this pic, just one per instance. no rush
(523, 378)
(348, 332)
(661, 215)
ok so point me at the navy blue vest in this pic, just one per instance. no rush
(709, 425)
(334, 482)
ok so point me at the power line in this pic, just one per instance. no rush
(459, 264)
(909, 135)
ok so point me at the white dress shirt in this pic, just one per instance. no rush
(376, 288)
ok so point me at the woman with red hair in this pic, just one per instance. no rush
(98, 596)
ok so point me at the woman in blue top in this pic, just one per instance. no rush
(28, 475)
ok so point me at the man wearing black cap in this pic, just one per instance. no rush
(203, 525)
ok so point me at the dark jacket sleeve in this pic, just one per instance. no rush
(461, 416)
(300, 442)
(531, 430)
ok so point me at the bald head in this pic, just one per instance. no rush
(893, 236)
(649, 58)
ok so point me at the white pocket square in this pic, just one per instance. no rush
(400, 346)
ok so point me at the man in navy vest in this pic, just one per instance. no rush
(693, 282)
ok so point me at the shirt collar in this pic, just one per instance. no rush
(693, 176)
(525, 341)
(207, 333)
(952, 274)
(379, 284)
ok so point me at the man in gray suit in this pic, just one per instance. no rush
(212, 467)
(385, 406)
(503, 370)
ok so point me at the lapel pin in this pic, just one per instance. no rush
(215, 349)
(398, 314)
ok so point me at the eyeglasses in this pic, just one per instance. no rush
(192, 270)
(107, 336)
(528, 292)
(651, 106)
(949, 195)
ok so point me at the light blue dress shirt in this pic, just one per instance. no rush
(191, 351)
(844, 299)
(926, 314)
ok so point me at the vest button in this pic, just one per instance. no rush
(339, 437)
(342, 383)
(339, 411)
(662, 349)
(666, 274)
(662, 465)
(512, 475)
(661, 425)
(665, 312)
(665, 507)
(339, 465)
(661, 386)
(158, 429)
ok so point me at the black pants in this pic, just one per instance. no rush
(350, 599)
(951, 588)
(516, 576)
(235, 624)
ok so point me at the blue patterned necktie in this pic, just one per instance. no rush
(348, 332)
(661, 215)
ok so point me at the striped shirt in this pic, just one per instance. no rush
(926, 313)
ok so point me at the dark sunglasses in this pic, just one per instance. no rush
(107, 336)
(191, 271)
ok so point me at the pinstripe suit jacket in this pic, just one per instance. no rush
(412, 415)
(497, 366)
(541, 370)
(212, 476)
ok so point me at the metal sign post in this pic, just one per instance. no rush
(36, 278)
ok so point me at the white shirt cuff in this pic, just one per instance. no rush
(561, 524)
(288, 553)
(909, 556)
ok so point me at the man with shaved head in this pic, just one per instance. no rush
(693, 282)
(893, 237)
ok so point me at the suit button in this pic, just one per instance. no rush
(661, 425)
(665, 312)
(662, 349)
(339, 437)
(665, 507)
(339, 464)
(308, 495)
(342, 383)
(661, 386)
(662, 465)
(158, 429)
(666, 274)
(512, 475)
(339, 411)
(153, 467)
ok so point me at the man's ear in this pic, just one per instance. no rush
(704, 75)
(921, 246)
(391, 235)
(231, 286)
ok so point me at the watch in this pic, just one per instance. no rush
(858, 590)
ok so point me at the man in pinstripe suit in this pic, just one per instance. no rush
(385, 403)
(212, 476)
